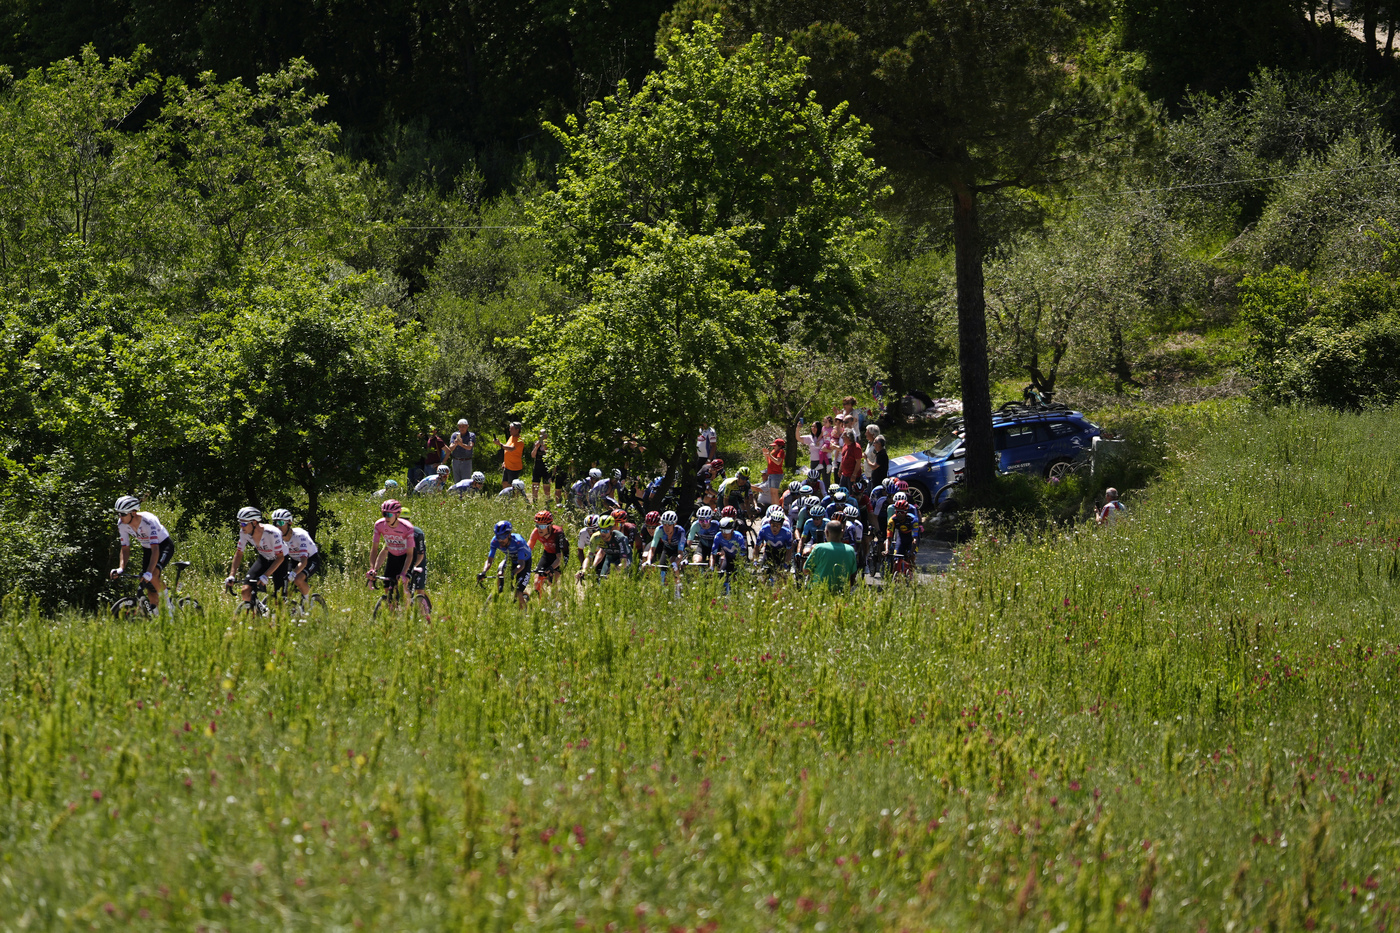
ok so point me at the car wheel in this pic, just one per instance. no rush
(1058, 470)
(919, 497)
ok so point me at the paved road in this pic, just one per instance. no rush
(935, 559)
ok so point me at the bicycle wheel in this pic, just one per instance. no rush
(382, 603)
(189, 604)
(315, 607)
(251, 607)
(424, 606)
(128, 607)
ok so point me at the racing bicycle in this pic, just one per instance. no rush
(144, 603)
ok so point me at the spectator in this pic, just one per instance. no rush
(433, 446)
(849, 463)
(773, 470)
(832, 563)
(540, 471)
(812, 440)
(706, 442)
(460, 450)
(1112, 508)
(849, 410)
(831, 439)
(514, 463)
(871, 432)
(882, 461)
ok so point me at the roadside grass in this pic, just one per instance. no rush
(1186, 721)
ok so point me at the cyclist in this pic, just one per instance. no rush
(792, 495)
(703, 531)
(585, 535)
(515, 489)
(813, 532)
(579, 490)
(474, 485)
(814, 479)
(601, 494)
(605, 548)
(554, 546)
(903, 531)
(398, 541)
(302, 551)
(391, 486)
(705, 478)
(641, 537)
(853, 531)
(738, 490)
(775, 542)
(157, 547)
(668, 547)
(506, 541)
(724, 553)
(418, 567)
(436, 481)
(266, 540)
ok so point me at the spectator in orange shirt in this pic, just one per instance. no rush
(514, 463)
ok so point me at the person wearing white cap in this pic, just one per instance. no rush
(460, 449)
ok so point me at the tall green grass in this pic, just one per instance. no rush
(1187, 721)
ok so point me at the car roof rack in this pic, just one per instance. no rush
(1020, 408)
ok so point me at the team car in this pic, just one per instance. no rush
(1040, 441)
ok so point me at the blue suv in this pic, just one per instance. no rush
(1042, 441)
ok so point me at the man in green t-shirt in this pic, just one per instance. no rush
(833, 563)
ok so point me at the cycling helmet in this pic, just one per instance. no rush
(478, 477)
(403, 513)
(249, 514)
(852, 512)
(595, 474)
(901, 485)
(443, 469)
(775, 510)
(890, 482)
(717, 463)
(126, 505)
(391, 507)
(729, 512)
(901, 505)
(391, 484)
(607, 523)
(617, 476)
(811, 501)
(590, 521)
(619, 515)
(818, 511)
(795, 486)
(518, 485)
(669, 518)
(544, 517)
(503, 528)
(705, 513)
(282, 515)
(726, 524)
(838, 496)
(901, 497)
(742, 471)
(804, 489)
(653, 518)
(775, 518)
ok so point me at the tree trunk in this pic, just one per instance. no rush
(972, 344)
(312, 518)
(1368, 36)
(1389, 38)
(790, 460)
(674, 465)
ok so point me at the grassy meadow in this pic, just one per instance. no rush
(1189, 721)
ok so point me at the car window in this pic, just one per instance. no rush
(1015, 435)
(1061, 429)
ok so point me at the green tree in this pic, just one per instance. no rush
(678, 329)
(967, 99)
(715, 143)
(303, 388)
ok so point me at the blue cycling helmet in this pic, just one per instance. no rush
(503, 528)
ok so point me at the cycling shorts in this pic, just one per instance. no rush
(258, 568)
(550, 563)
(521, 574)
(312, 566)
(418, 579)
(726, 560)
(666, 552)
(393, 565)
(705, 547)
(163, 556)
(539, 473)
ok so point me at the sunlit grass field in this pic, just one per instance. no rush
(1185, 722)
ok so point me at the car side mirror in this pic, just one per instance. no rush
(960, 453)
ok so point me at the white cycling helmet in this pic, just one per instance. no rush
(478, 477)
(814, 473)
(591, 521)
(282, 515)
(126, 505)
(705, 512)
(900, 497)
(811, 501)
(595, 474)
(669, 518)
(795, 486)
(249, 514)
(518, 485)
(444, 469)
(852, 512)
